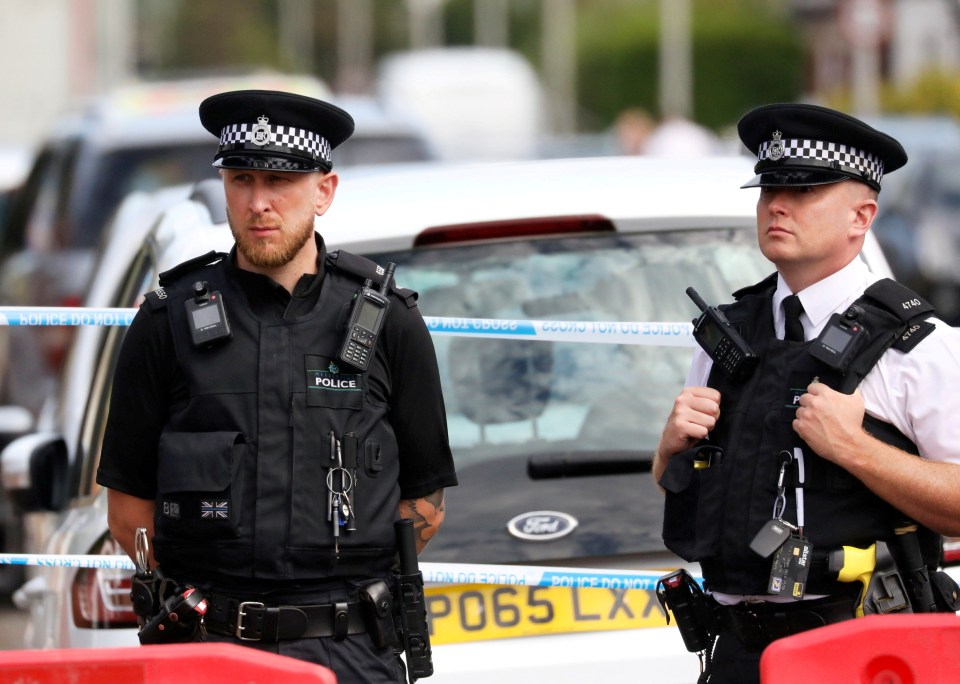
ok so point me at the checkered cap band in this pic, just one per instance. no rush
(279, 138)
(261, 163)
(852, 159)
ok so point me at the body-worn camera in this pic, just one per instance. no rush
(841, 339)
(366, 318)
(721, 341)
(207, 316)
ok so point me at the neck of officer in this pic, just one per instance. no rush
(288, 274)
(802, 274)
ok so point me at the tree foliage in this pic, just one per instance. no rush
(745, 52)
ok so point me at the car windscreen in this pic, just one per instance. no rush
(519, 398)
(516, 403)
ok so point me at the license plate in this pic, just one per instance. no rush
(477, 612)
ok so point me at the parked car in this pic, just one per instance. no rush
(14, 421)
(917, 226)
(14, 164)
(381, 137)
(534, 425)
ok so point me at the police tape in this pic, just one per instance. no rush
(64, 315)
(619, 332)
(433, 573)
(672, 334)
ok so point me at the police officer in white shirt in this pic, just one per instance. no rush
(852, 453)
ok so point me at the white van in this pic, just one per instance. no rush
(474, 103)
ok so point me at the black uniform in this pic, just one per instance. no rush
(710, 520)
(233, 442)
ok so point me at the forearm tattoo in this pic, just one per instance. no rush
(427, 514)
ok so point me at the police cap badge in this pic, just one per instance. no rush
(271, 130)
(803, 144)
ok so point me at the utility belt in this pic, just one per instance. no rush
(176, 613)
(254, 621)
(877, 586)
(700, 618)
(394, 614)
(757, 625)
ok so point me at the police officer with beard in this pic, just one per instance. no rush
(240, 452)
(774, 480)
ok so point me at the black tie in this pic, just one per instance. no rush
(793, 329)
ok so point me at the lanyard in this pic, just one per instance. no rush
(781, 501)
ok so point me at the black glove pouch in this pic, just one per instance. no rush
(946, 592)
(378, 610)
(693, 509)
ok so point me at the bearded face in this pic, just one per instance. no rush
(273, 248)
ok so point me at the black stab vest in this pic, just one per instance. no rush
(712, 514)
(243, 464)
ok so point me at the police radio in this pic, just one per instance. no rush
(366, 318)
(721, 341)
(206, 316)
(841, 339)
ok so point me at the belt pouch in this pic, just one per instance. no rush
(945, 592)
(377, 602)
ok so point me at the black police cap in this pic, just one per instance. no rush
(803, 144)
(271, 130)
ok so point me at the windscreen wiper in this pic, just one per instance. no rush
(588, 463)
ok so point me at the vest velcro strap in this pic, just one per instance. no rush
(368, 270)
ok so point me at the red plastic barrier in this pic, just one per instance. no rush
(877, 649)
(171, 664)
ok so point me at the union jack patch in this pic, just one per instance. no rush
(215, 509)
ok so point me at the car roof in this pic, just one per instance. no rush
(389, 207)
(14, 165)
(386, 208)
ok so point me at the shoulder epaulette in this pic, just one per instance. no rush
(770, 282)
(168, 277)
(895, 317)
(906, 305)
(365, 269)
(156, 299)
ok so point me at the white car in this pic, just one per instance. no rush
(552, 439)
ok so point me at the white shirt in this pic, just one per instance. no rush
(917, 392)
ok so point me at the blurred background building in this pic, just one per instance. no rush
(704, 60)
